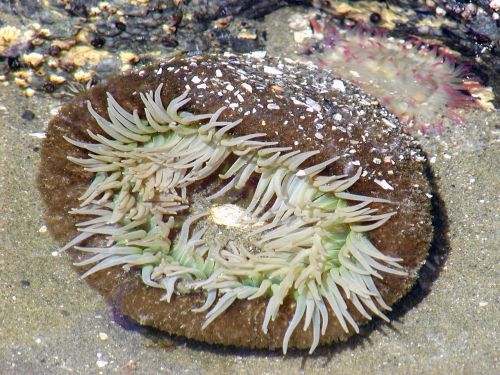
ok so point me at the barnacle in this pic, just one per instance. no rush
(203, 205)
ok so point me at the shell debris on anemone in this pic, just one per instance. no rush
(238, 200)
(418, 82)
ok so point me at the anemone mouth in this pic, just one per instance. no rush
(198, 208)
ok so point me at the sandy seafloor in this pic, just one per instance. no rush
(51, 322)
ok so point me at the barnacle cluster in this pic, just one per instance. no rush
(301, 234)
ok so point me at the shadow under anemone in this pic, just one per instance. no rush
(238, 200)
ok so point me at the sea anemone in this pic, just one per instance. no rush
(242, 198)
(418, 82)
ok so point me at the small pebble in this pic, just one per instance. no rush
(97, 41)
(339, 85)
(54, 50)
(28, 115)
(101, 363)
(25, 284)
(40, 135)
(29, 92)
(271, 70)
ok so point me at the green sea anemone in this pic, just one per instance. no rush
(210, 201)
